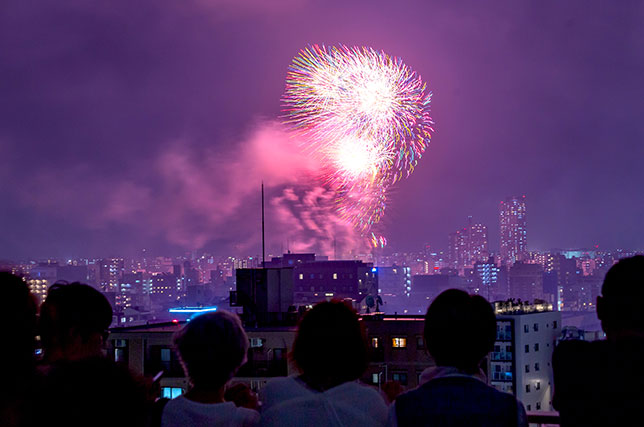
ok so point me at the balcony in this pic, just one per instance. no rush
(501, 356)
(501, 376)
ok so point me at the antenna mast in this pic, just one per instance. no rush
(263, 247)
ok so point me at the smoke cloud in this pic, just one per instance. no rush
(195, 197)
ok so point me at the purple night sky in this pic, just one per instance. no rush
(151, 124)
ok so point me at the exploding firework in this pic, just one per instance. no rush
(365, 115)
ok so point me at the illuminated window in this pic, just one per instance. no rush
(171, 392)
(256, 342)
(374, 342)
(335, 275)
(401, 377)
(399, 342)
(301, 276)
(375, 378)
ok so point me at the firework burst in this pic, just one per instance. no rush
(365, 115)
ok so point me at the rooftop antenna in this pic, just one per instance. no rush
(335, 250)
(263, 239)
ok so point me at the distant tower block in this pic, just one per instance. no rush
(512, 220)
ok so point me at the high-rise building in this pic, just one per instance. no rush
(468, 245)
(110, 272)
(491, 280)
(456, 248)
(512, 220)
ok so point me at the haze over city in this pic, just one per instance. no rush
(124, 129)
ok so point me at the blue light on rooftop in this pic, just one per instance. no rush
(192, 310)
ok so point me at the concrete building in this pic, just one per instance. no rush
(424, 288)
(526, 281)
(522, 356)
(397, 350)
(147, 350)
(322, 280)
(394, 287)
(468, 245)
(166, 289)
(110, 271)
(491, 280)
(72, 273)
(266, 295)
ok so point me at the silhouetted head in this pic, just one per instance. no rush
(211, 348)
(330, 347)
(460, 330)
(74, 322)
(620, 306)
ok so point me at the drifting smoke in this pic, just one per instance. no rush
(193, 198)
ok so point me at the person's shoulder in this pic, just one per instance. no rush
(358, 394)
(246, 417)
(280, 382)
(439, 385)
(175, 405)
(280, 389)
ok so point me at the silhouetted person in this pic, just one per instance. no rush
(17, 355)
(601, 382)
(331, 353)
(460, 330)
(211, 348)
(74, 322)
(93, 391)
(79, 385)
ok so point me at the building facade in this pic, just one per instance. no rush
(521, 360)
(513, 228)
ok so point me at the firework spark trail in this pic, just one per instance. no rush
(365, 115)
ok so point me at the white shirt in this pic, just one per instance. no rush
(289, 401)
(183, 412)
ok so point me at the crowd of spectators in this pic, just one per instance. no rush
(73, 383)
